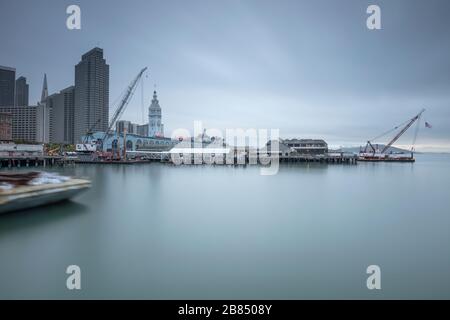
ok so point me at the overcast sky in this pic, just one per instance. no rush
(309, 68)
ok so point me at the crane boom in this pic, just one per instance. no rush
(408, 125)
(124, 102)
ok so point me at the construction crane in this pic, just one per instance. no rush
(123, 103)
(382, 154)
(409, 124)
(85, 147)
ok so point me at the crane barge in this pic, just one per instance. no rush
(373, 154)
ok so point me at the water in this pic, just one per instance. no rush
(164, 232)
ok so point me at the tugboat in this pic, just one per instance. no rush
(372, 154)
(20, 191)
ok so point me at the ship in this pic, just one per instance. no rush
(23, 190)
(370, 153)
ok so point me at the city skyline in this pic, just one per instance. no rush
(249, 68)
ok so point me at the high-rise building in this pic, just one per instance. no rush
(43, 116)
(22, 92)
(62, 108)
(155, 127)
(91, 94)
(7, 86)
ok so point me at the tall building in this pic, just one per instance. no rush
(22, 92)
(7, 86)
(91, 94)
(155, 127)
(62, 109)
(43, 116)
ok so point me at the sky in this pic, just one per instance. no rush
(311, 69)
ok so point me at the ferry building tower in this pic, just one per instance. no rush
(155, 127)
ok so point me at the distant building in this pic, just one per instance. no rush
(7, 86)
(132, 128)
(121, 125)
(155, 126)
(5, 126)
(62, 111)
(23, 121)
(91, 94)
(142, 130)
(22, 89)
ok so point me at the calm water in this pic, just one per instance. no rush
(159, 231)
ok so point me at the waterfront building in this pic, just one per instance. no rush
(23, 122)
(114, 142)
(5, 126)
(22, 92)
(155, 126)
(7, 86)
(307, 146)
(91, 94)
(62, 113)
(283, 149)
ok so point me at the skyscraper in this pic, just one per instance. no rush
(43, 116)
(155, 127)
(21, 92)
(62, 108)
(91, 94)
(7, 86)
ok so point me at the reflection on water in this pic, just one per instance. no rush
(188, 232)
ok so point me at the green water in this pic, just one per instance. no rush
(164, 232)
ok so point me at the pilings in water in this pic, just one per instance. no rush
(40, 161)
(240, 158)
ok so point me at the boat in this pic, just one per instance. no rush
(19, 191)
(373, 154)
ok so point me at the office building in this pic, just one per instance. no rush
(91, 94)
(7, 86)
(62, 113)
(22, 89)
(23, 122)
(142, 130)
